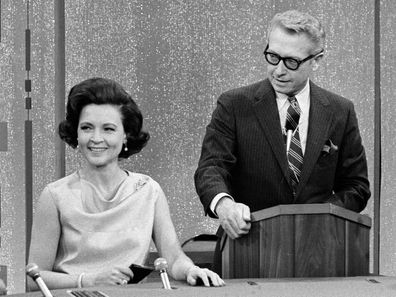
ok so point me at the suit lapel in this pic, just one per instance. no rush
(266, 111)
(319, 122)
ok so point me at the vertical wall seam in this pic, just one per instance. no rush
(377, 137)
(59, 83)
(28, 139)
(0, 21)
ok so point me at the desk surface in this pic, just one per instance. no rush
(370, 286)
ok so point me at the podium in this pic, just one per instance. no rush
(300, 240)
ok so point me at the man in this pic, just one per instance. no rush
(283, 140)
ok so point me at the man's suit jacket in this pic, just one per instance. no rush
(244, 152)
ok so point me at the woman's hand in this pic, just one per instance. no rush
(115, 276)
(208, 277)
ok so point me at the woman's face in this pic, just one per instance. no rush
(100, 134)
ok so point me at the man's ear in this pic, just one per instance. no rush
(316, 61)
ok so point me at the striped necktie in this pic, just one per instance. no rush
(295, 154)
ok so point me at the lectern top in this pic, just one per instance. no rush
(317, 208)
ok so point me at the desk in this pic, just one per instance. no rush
(371, 286)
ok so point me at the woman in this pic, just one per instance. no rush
(92, 224)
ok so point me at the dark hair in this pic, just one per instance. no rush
(104, 91)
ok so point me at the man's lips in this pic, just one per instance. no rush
(280, 80)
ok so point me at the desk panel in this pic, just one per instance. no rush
(318, 287)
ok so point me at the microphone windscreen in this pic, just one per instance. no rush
(160, 264)
(32, 270)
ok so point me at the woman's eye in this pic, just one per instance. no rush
(84, 128)
(109, 129)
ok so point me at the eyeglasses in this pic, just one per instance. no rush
(290, 63)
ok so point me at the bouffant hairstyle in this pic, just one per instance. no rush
(104, 91)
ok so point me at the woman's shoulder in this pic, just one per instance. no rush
(62, 183)
(140, 180)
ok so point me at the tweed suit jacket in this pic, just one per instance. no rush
(244, 152)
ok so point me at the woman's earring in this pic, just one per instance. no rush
(125, 146)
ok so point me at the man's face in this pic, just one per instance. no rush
(297, 46)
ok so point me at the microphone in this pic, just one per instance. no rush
(290, 130)
(161, 265)
(289, 135)
(33, 272)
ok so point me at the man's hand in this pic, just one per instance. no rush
(234, 217)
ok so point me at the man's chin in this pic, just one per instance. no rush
(280, 87)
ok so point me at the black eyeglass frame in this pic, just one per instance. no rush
(285, 59)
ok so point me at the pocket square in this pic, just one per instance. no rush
(329, 147)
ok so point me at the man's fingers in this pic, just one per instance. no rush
(236, 220)
(236, 229)
(245, 227)
(245, 213)
(243, 219)
(229, 230)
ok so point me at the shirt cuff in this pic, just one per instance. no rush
(216, 200)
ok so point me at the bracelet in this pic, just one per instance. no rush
(79, 280)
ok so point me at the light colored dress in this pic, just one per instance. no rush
(97, 234)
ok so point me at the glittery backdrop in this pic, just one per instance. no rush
(175, 57)
(12, 66)
(388, 94)
(12, 110)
